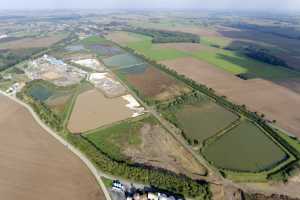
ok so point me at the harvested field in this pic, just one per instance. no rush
(34, 165)
(275, 101)
(92, 110)
(134, 141)
(204, 120)
(122, 38)
(244, 148)
(27, 43)
(156, 84)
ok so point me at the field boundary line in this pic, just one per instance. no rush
(70, 147)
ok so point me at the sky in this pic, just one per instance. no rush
(153, 4)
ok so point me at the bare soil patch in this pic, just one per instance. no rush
(34, 165)
(276, 102)
(32, 42)
(92, 110)
(156, 84)
(160, 149)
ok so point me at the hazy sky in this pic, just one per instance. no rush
(139, 4)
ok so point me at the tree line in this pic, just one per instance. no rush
(162, 36)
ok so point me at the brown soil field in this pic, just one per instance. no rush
(156, 84)
(186, 47)
(27, 43)
(93, 110)
(121, 37)
(167, 154)
(36, 166)
(194, 30)
(276, 102)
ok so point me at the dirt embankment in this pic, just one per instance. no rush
(276, 102)
(160, 149)
(34, 165)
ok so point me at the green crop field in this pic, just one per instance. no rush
(110, 140)
(238, 64)
(203, 120)
(146, 48)
(123, 60)
(227, 60)
(245, 148)
(94, 40)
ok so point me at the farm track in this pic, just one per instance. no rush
(97, 174)
(215, 176)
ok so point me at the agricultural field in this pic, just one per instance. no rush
(245, 148)
(50, 171)
(207, 51)
(15, 51)
(276, 102)
(92, 110)
(132, 141)
(32, 43)
(123, 38)
(152, 83)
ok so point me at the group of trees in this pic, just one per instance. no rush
(45, 113)
(159, 179)
(222, 100)
(162, 36)
(256, 52)
(264, 56)
(280, 31)
(9, 58)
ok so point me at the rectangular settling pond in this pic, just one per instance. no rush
(245, 148)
